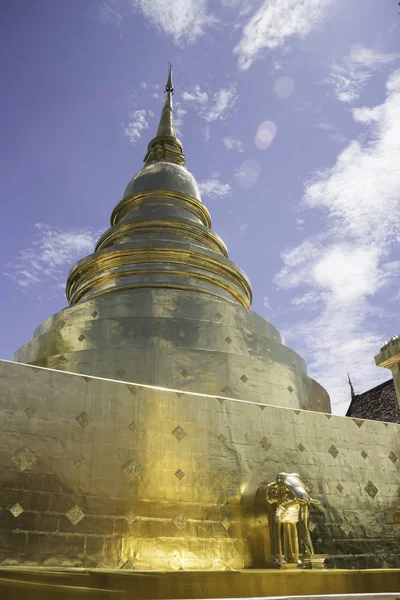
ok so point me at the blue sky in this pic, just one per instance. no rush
(289, 113)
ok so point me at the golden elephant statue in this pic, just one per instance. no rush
(289, 519)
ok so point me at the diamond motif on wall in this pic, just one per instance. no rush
(261, 406)
(264, 443)
(179, 394)
(290, 389)
(218, 315)
(311, 526)
(371, 489)
(30, 412)
(179, 474)
(223, 478)
(133, 389)
(180, 521)
(75, 514)
(181, 334)
(333, 451)
(179, 433)
(82, 419)
(131, 469)
(346, 528)
(364, 454)
(23, 458)
(35, 369)
(94, 314)
(226, 523)
(87, 379)
(221, 400)
(339, 487)
(78, 463)
(121, 372)
(16, 510)
(128, 565)
(130, 517)
(386, 424)
(297, 412)
(222, 438)
(132, 426)
(244, 378)
(319, 540)
(184, 373)
(358, 422)
(328, 416)
(81, 337)
(392, 457)
(301, 447)
(228, 340)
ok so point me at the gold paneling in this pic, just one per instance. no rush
(96, 491)
(190, 203)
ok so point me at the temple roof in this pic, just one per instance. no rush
(379, 404)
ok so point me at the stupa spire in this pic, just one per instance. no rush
(166, 146)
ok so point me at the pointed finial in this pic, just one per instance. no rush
(166, 146)
(351, 386)
(170, 86)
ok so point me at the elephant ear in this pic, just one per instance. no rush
(272, 493)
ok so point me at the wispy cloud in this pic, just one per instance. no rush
(185, 21)
(213, 188)
(339, 271)
(349, 77)
(244, 228)
(137, 124)
(333, 132)
(274, 23)
(233, 144)
(47, 260)
(180, 112)
(212, 106)
(112, 11)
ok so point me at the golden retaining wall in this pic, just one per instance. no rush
(54, 584)
(101, 473)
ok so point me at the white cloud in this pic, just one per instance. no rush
(213, 188)
(136, 125)
(274, 23)
(111, 11)
(206, 133)
(185, 21)
(349, 77)
(233, 144)
(217, 106)
(334, 133)
(179, 113)
(266, 302)
(244, 228)
(339, 272)
(47, 260)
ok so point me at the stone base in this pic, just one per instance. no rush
(53, 584)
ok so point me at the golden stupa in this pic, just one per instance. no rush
(142, 425)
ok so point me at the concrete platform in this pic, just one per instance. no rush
(54, 583)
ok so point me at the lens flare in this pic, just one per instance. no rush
(265, 135)
(284, 87)
(248, 173)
